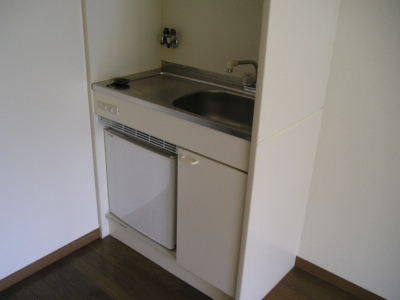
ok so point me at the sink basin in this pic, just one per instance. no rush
(219, 106)
(223, 108)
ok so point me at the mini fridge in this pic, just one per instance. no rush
(142, 186)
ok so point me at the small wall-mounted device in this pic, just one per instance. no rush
(169, 38)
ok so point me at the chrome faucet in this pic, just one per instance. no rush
(247, 84)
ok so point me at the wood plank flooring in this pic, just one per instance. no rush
(108, 269)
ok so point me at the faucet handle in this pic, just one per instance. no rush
(164, 36)
(169, 38)
(248, 79)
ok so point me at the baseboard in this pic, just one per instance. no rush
(335, 280)
(48, 259)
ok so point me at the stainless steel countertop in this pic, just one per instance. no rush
(157, 90)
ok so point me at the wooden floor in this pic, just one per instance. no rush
(107, 269)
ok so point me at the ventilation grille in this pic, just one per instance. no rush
(138, 134)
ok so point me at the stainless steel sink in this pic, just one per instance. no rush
(219, 106)
(211, 105)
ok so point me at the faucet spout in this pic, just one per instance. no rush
(230, 65)
(233, 63)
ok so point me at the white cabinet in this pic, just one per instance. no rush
(210, 211)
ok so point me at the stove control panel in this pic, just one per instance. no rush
(107, 107)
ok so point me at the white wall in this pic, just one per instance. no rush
(47, 193)
(213, 32)
(122, 38)
(352, 221)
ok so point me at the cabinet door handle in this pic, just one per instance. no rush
(189, 160)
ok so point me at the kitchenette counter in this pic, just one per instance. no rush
(158, 90)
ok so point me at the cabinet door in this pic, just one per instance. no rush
(210, 211)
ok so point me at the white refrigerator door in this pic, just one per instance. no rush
(142, 187)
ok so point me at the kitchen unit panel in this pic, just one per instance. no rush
(189, 135)
(210, 210)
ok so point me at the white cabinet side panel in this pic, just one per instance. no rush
(279, 193)
(297, 60)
